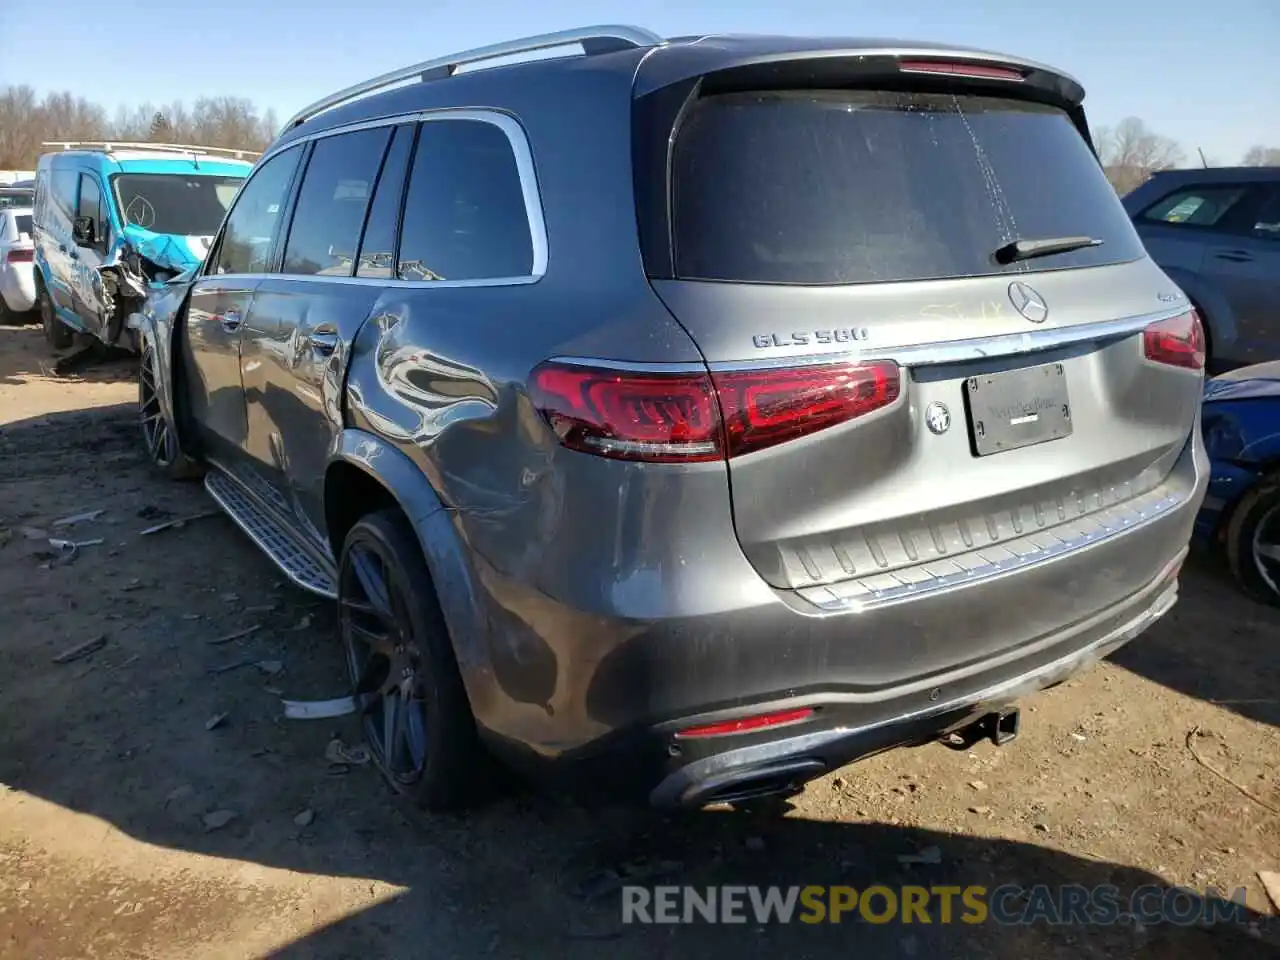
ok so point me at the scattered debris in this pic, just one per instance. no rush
(926, 855)
(86, 517)
(216, 721)
(1191, 735)
(218, 819)
(179, 522)
(319, 709)
(977, 784)
(980, 811)
(82, 649)
(1079, 736)
(305, 818)
(1042, 827)
(340, 754)
(237, 635)
(270, 667)
(65, 554)
(1271, 883)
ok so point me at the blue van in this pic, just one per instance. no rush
(112, 220)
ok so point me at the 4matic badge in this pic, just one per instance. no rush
(803, 338)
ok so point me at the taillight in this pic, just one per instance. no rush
(692, 417)
(19, 256)
(1178, 341)
(767, 407)
(972, 71)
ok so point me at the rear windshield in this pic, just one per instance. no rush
(24, 223)
(190, 206)
(825, 187)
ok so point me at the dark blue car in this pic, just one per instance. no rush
(1241, 422)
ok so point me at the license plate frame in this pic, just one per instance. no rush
(1013, 409)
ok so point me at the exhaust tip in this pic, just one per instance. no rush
(752, 783)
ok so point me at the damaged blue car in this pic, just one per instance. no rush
(114, 220)
(1240, 418)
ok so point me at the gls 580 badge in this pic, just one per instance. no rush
(802, 338)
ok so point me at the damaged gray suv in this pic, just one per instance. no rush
(685, 418)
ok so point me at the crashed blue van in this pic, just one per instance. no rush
(114, 220)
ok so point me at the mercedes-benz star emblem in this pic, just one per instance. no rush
(1027, 302)
(937, 417)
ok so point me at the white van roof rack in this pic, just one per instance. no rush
(602, 39)
(111, 146)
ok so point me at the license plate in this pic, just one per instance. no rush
(1017, 408)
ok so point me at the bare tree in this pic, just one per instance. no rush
(27, 121)
(1131, 152)
(1261, 156)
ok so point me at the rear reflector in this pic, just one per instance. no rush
(682, 418)
(747, 724)
(973, 71)
(1178, 341)
(19, 256)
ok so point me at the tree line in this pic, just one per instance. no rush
(27, 121)
(1130, 151)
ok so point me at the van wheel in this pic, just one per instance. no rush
(159, 435)
(1253, 541)
(416, 715)
(56, 333)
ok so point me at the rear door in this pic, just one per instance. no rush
(56, 246)
(1245, 266)
(220, 302)
(303, 317)
(881, 226)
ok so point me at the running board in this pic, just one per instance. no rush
(283, 546)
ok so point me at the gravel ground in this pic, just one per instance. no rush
(113, 792)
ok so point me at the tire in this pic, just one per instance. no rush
(159, 434)
(56, 333)
(1253, 541)
(403, 668)
(7, 316)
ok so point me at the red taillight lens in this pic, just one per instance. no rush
(1178, 341)
(747, 724)
(664, 418)
(973, 71)
(677, 418)
(767, 407)
(20, 256)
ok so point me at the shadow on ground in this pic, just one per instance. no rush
(24, 355)
(123, 735)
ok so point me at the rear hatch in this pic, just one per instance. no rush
(797, 219)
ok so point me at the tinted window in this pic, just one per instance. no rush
(251, 225)
(1196, 206)
(378, 248)
(332, 201)
(190, 206)
(24, 224)
(861, 186)
(90, 200)
(464, 216)
(1267, 220)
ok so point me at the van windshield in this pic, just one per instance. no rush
(857, 186)
(179, 204)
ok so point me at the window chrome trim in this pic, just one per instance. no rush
(525, 169)
(636, 366)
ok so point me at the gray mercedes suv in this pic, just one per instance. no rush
(685, 418)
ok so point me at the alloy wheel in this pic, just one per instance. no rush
(1266, 549)
(386, 663)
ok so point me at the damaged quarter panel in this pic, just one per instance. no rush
(1241, 427)
(157, 322)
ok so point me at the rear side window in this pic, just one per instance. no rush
(332, 201)
(378, 248)
(464, 214)
(833, 187)
(1266, 222)
(1200, 206)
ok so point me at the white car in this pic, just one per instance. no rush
(17, 267)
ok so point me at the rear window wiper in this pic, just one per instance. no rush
(1030, 249)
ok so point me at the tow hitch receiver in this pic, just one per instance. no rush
(999, 728)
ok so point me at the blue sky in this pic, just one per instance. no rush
(1205, 72)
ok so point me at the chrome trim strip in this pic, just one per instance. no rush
(976, 348)
(515, 134)
(1108, 528)
(638, 366)
(623, 35)
(687, 779)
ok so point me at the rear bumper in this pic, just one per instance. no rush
(594, 702)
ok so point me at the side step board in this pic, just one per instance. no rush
(290, 554)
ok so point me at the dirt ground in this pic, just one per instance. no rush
(109, 775)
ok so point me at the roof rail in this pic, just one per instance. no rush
(110, 146)
(602, 39)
